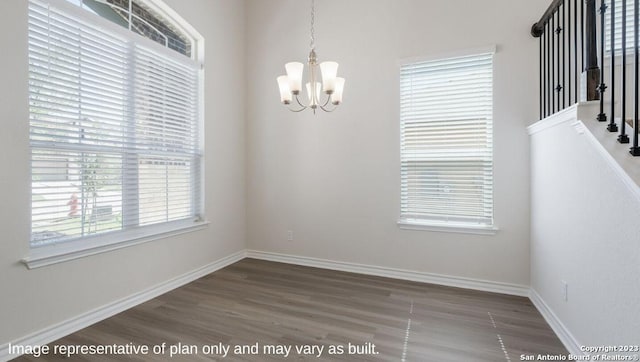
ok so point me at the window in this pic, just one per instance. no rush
(114, 128)
(618, 25)
(137, 17)
(446, 108)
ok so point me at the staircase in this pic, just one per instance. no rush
(585, 176)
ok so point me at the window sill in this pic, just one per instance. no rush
(447, 227)
(59, 253)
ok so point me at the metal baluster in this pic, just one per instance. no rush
(563, 83)
(541, 85)
(569, 61)
(575, 46)
(548, 69)
(602, 117)
(612, 127)
(543, 75)
(582, 31)
(553, 68)
(558, 31)
(623, 138)
(635, 150)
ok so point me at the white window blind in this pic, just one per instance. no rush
(446, 133)
(618, 25)
(114, 128)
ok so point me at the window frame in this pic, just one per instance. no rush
(92, 244)
(406, 223)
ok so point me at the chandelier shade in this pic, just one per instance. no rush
(329, 73)
(336, 96)
(294, 75)
(327, 88)
(285, 89)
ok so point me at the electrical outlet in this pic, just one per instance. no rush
(565, 291)
(289, 235)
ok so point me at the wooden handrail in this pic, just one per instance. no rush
(538, 28)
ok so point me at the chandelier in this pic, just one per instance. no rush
(320, 94)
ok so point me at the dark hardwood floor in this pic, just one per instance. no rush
(269, 303)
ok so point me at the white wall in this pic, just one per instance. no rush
(31, 300)
(334, 178)
(585, 231)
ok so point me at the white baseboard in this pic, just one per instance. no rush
(84, 320)
(569, 341)
(452, 281)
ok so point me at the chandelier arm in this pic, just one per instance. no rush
(303, 107)
(324, 106)
(328, 110)
(300, 104)
(297, 110)
(326, 102)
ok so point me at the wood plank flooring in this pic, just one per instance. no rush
(269, 303)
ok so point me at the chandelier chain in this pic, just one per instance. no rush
(312, 44)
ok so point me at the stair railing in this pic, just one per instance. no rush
(569, 63)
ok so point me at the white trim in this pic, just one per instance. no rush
(59, 330)
(565, 115)
(488, 49)
(579, 110)
(574, 115)
(416, 276)
(58, 253)
(569, 341)
(448, 228)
